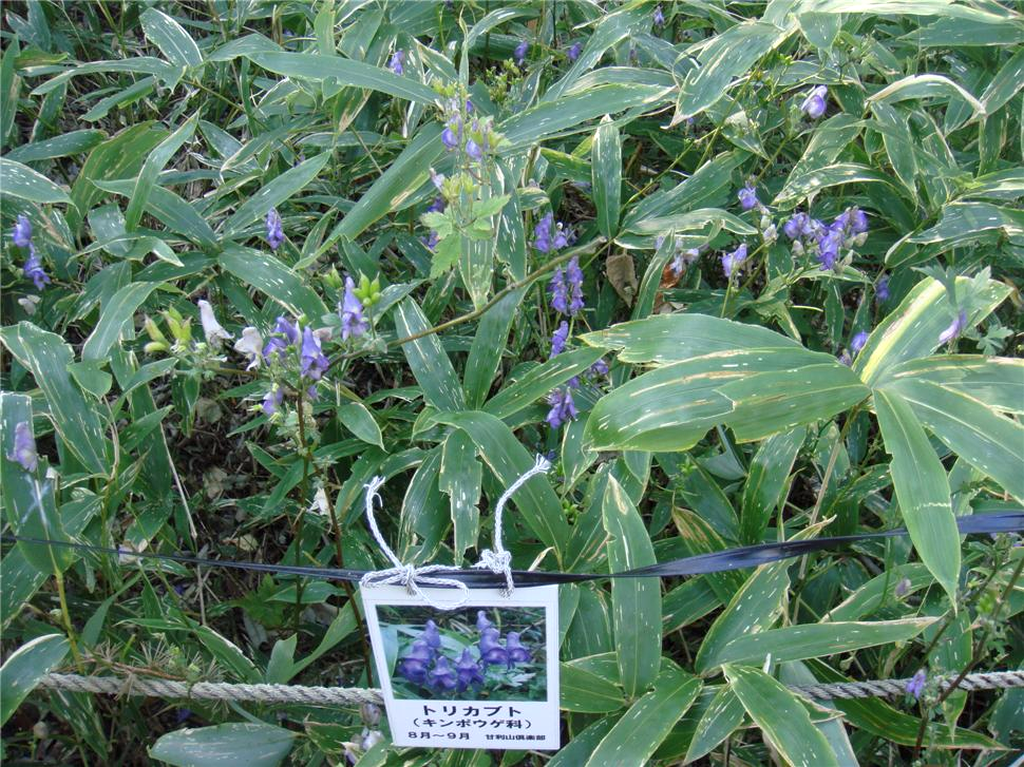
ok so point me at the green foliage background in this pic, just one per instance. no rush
(147, 141)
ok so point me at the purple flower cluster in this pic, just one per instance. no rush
(275, 229)
(353, 323)
(563, 408)
(397, 62)
(24, 447)
(815, 103)
(519, 54)
(549, 236)
(285, 338)
(425, 664)
(849, 229)
(748, 197)
(731, 262)
(22, 236)
(566, 288)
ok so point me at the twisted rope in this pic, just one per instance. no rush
(340, 696)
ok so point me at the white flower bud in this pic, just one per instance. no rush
(212, 329)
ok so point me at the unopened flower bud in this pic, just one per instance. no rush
(153, 330)
(155, 346)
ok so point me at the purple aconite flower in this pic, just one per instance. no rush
(542, 234)
(955, 329)
(559, 291)
(313, 361)
(515, 650)
(903, 587)
(882, 289)
(34, 268)
(828, 249)
(437, 206)
(24, 447)
(558, 339)
(794, 226)
(563, 408)
(520, 52)
(659, 17)
(858, 221)
(437, 179)
(276, 345)
(814, 104)
(731, 262)
(599, 368)
(916, 684)
(468, 671)
(482, 621)
(397, 60)
(574, 51)
(473, 150)
(353, 323)
(442, 676)
(432, 636)
(22, 232)
(748, 197)
(452, 134)
(858, 341)
(491, 651)
(272, 401)
(413, 666)
(574, 277)
(275, 229)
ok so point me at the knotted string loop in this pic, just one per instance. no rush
(499, 561)
(410, 576)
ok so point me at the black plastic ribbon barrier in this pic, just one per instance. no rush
(713, 562)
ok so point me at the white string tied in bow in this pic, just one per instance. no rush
(499, 561)
(410, 576)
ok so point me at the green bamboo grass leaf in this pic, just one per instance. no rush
(171, 210)
(461, 479)
(606, 181)
(694, 219)
(118, 311)
(151, 168)
(819, 639)
(10, 87)
(899, 143)
(587, 692)
(707, 186)
(640, 731)
(677, 337)
(1004, 86)
(24, 183)
(238, 743)
(400, 181)
(755, 391)
(781, 717)
(47, 357)
(489, 344)
(996, 381)
(269, 275)
(957, 33)
(716, 724)
(357, 418)
(965, 221)
(25, 667)
(121, 98)
(569, 114)
(636, 602)
(816, 180)
(769, 471)
(539, 381)
(912, 330)
(752, 609)
(276, 192)
(64, 145)
(28, 497)
(729, 56)
(577, 750)
(926, 86)
(922, 488)
(309, 66)
(171, 38)
(508, 460)
(992, 443)
(168, 73)
(829, 140)
(427, 359)
(943, 8)
(119, 157)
